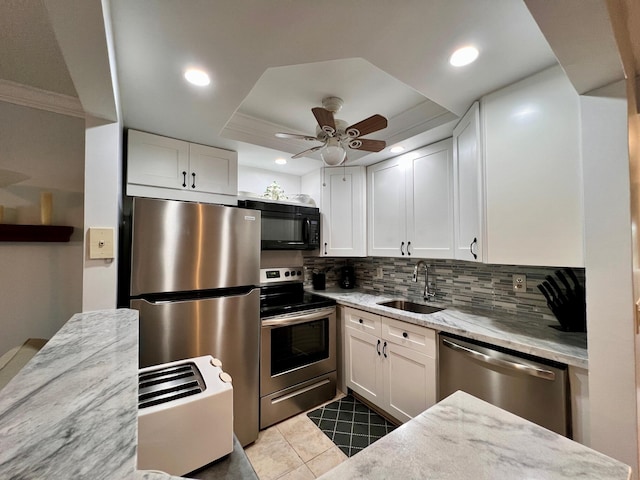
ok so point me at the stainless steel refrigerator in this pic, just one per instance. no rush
(195, 272)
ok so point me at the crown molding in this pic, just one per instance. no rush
(19, 94)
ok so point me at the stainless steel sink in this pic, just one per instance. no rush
(408, 306)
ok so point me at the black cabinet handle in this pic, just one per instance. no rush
(184, 179)
(405, 334)
(378, 347)
(384, 350)
(325, 248)
(408, 245)
(193, 185)
(475, 240)
(402, 248)
(360, 320)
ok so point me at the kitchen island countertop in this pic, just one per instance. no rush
(462, 437)
(72, 411)
(530, 336)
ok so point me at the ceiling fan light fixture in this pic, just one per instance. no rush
(463, 56)
(333, 154)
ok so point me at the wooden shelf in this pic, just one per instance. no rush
(34, 233)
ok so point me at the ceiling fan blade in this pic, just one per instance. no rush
(310, 150)
(296, 136)
(367, 145)
(325, 120)
(368, 125)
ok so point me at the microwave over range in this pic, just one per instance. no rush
(286, 226)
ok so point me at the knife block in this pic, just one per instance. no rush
(566, 302)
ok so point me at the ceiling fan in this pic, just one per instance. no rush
(336, 135)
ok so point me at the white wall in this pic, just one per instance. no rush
(40, 283)
(256, 180)
(103, 164)
(608, 261)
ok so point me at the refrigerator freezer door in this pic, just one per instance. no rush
(227, 328)
(182, 246)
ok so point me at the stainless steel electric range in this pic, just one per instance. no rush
(298, 346)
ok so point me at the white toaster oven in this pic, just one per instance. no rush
(185, 415)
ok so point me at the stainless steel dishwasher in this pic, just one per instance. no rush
(530, 387)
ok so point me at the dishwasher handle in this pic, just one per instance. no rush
(520, 367)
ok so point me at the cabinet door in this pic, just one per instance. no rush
(468, 188)
(213, 170)
(533, 172)
(430, 202)
(363, 370)
(156, 161)
(343, 212)
(409, 381)
(387, 209)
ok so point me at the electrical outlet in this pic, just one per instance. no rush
(519, 283)
(378, 273)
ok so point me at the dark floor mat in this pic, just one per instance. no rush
(350, 424)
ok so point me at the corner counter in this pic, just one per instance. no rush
(464, 438)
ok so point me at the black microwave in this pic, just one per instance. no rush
(285, 226)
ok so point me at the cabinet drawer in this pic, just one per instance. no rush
(363, 321)
(408, 335)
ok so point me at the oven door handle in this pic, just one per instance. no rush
(294, 319)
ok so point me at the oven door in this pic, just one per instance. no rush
(297, 347)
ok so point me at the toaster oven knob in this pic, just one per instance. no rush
(225, 377)
(216, 362)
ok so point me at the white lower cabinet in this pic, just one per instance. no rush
(390, 363)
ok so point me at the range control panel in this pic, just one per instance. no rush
(282, 274)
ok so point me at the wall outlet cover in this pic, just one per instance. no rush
(519, 283)
(101, 243)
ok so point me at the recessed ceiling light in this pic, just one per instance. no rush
(197, 77)
(281, 161)
(463, 56)
(397, 149)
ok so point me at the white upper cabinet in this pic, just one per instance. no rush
(340, 193)
(410, 205)
(163, 167)
(468, 187)
(534, 211)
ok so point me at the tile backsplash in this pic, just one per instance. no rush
(456, 282)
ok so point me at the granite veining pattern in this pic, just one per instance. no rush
(505, 330)
(68, 413)
(463, 437)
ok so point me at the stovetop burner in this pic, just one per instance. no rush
(282, 292)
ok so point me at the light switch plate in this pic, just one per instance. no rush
(100, 242)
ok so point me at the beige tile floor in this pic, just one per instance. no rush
(295, 449)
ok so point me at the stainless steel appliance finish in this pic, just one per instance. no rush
(536, 390)
(194, 279)
(298, 347)
(182, 246)
(287, 227)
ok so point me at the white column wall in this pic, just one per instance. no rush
(608, 260)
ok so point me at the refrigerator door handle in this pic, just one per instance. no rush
(519, 367)
(306, 230)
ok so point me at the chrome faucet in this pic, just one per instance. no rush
(427, 295)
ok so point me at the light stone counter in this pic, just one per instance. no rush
(517, 333)
(72, 411)
(463, 437)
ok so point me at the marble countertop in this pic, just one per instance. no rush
(462, 437)
(524, 335)
(72, 411)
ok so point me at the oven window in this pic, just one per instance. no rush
(282, 229)
(298, 345)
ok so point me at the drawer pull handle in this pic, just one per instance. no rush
(384, 349)
(184, 179)
(378, 347)
(193, 184)
(360, 320)
(475, 240)
(405, 334)
(402, 248)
